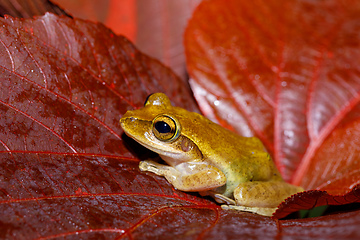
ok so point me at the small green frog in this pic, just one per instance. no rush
(204, 157)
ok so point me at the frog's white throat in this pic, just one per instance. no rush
(170, 157)
(173, 161)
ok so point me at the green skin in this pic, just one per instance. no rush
(204, 157)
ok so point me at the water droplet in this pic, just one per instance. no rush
(289, 133)
(274, 69)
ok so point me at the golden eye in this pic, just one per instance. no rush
(165, 128)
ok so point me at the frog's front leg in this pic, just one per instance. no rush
(188, 176)
(262, 197)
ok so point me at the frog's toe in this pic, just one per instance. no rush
(147, 166)
(222, 199)
(151, 166)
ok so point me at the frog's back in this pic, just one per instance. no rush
(213, 138)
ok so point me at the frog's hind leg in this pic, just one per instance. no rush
(258, 210)
(262, 197)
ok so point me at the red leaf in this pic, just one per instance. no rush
(287, 72)
(64, 167)
(28, 8)
(314, 198)
(121, 17)
(160, 29)
(341, 226)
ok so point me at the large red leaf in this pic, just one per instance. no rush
(64, 167)
(287, 72)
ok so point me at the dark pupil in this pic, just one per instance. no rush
(162, 127)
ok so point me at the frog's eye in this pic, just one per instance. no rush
(165, 128)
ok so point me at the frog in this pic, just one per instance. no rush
(202, 156)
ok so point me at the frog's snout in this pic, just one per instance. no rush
(128, 115)
(127, 120)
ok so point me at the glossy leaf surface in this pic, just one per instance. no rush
(64, 167)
